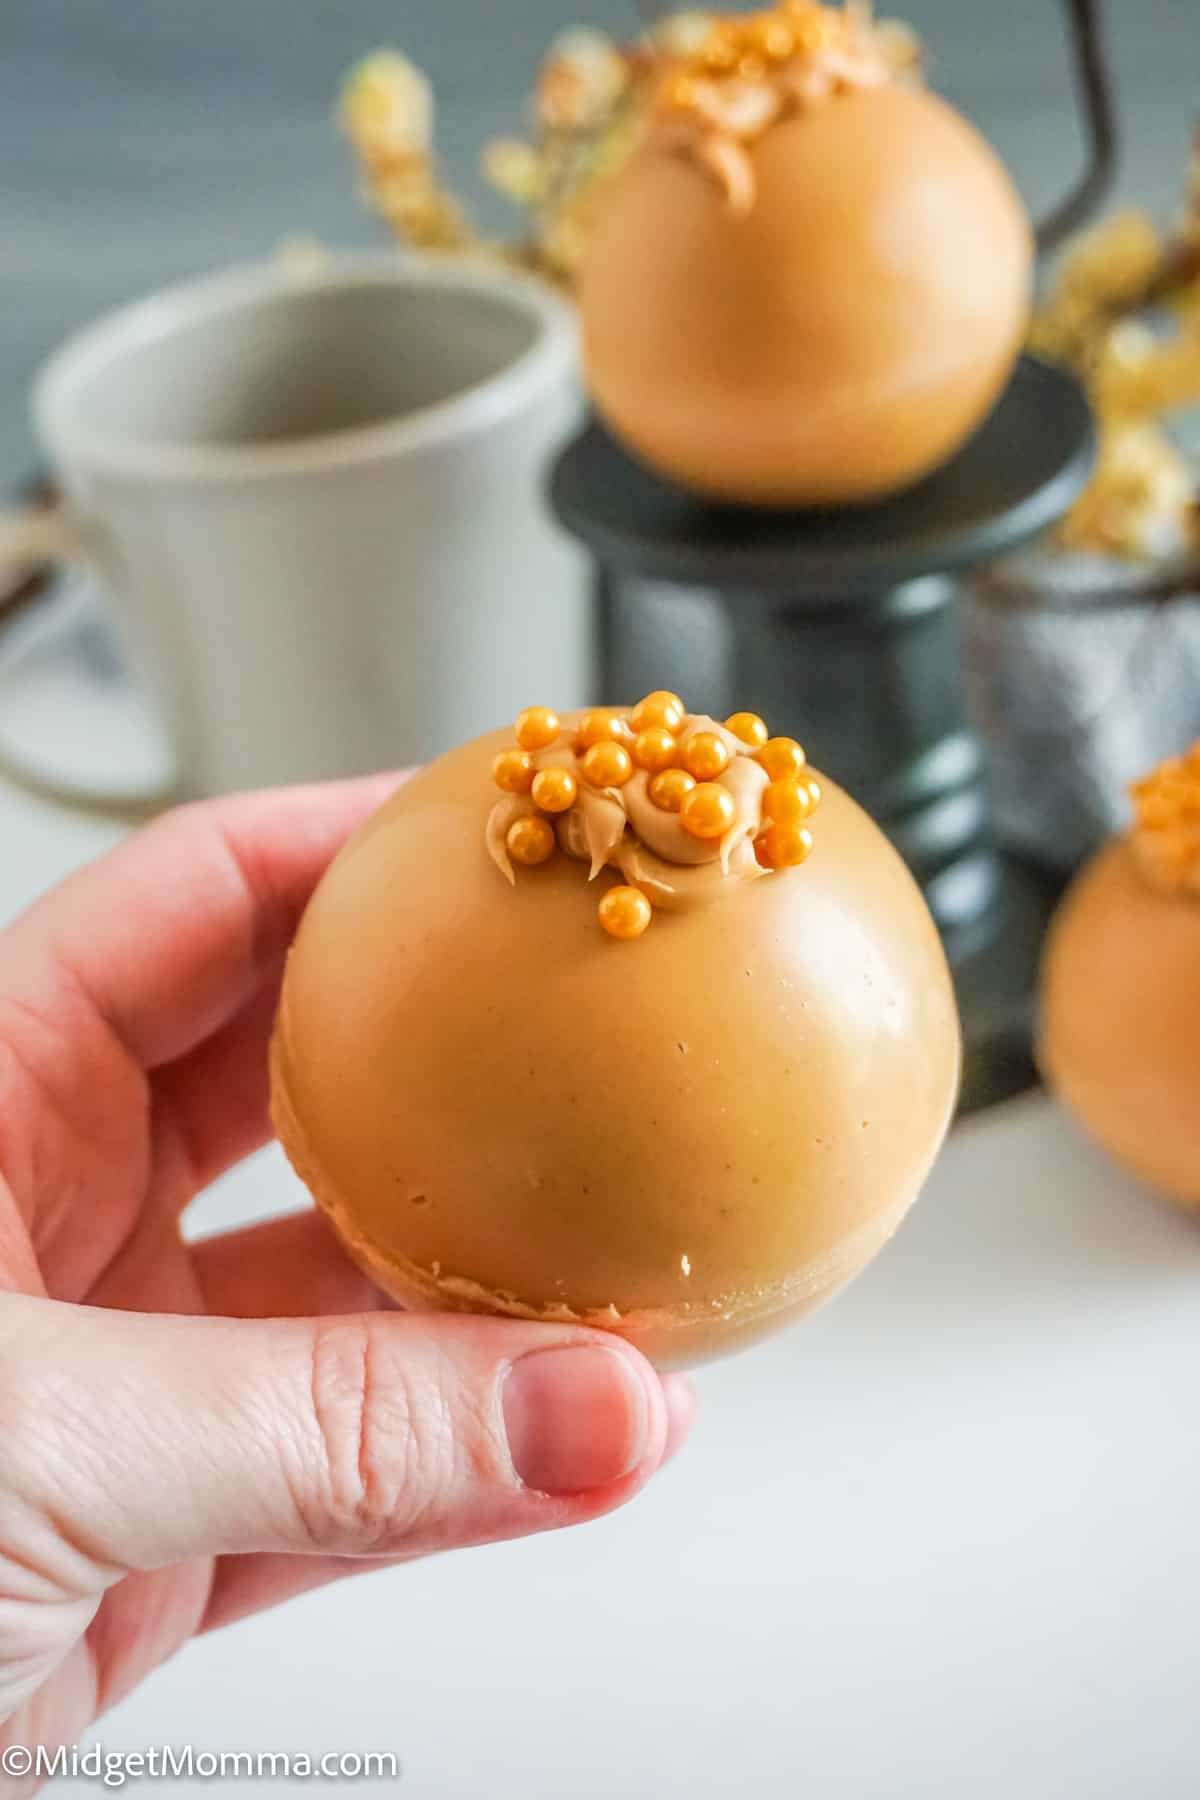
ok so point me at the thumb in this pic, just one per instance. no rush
(147, 1440)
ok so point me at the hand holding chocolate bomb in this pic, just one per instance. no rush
(195, 1429)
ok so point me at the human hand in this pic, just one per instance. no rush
(190, 1433)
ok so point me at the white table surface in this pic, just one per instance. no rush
(939, 1541)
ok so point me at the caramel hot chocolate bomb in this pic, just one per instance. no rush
(628, 1019)
(810, 282)
(1120, 1038)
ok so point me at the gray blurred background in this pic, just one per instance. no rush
(141, 140)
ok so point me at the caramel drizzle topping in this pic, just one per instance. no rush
(682, 807)
(752, 71)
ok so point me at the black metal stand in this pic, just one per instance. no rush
(840, 627)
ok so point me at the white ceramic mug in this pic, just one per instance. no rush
(314, 498)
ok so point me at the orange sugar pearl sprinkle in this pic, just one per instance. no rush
(782, 757)
(655, 748)
(704, 755)
(669, 789)
(815, 26)
(513, 770)
(1174, 786)
(748, 728)
(772, 36)
(788, 802)
(679, 93)
(661, 708)
(784, 847)
(530, 841)
(625, 912)
(719, 52)
(601, 727)
(1166, 832)
(555, 790)
(708, 811)
(607, 765)
(814, 790)
(1156, 810)
(537, 727)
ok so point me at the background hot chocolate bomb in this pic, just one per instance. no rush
(810, 282)
(1120, 1037)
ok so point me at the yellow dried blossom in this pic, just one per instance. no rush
(515, 170)
(683, 34)
(581, 80)
(1140, 500)
(387, 107)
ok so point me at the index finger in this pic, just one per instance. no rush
(169, 935)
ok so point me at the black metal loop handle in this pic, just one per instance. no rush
(1094, 87)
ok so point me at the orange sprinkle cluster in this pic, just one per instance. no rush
(744, 74)
(749, 44)
(1166, 832)
(684, 769)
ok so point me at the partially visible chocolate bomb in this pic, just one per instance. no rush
(1120, 1038)
(633, 1021)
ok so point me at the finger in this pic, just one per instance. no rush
(140, 1441)
(170, 935)
(681, 1412)
(249, 1584)
(19, 1270)
(244, 1585)
(212, 1106)
(291, 1268)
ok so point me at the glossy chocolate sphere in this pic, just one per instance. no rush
(687, 1137)
(836, 341)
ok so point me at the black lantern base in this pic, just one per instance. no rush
(996, 979)
(840, 628)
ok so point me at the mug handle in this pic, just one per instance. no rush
(33, 542)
